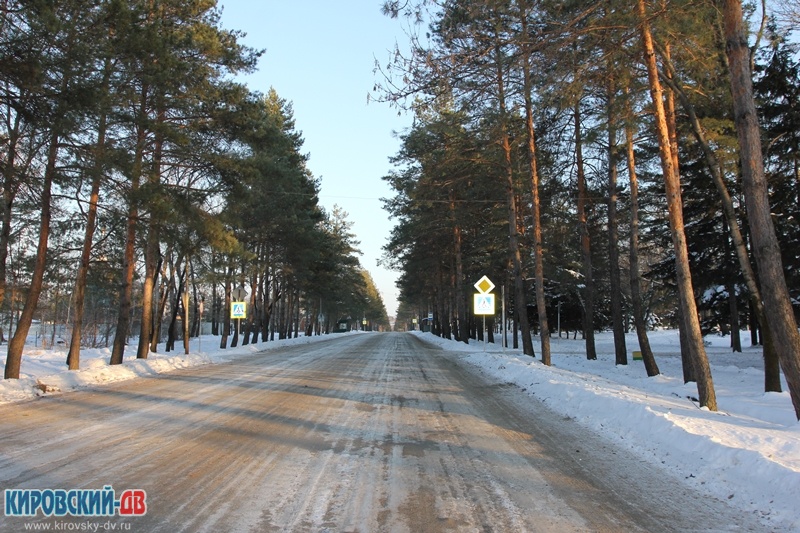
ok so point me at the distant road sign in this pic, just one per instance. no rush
(483, 304)
(238, 294)
(484, 285)
(238, 309)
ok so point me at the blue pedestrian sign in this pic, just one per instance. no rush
(238, 309)
(483, 304)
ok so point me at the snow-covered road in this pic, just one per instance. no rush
(358, 433)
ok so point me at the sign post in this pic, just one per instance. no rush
(503, 314)
(483, 302)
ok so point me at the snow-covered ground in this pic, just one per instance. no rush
(748, 452)
(45, 371)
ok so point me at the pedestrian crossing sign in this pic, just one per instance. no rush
(239, 310)
(483, 304)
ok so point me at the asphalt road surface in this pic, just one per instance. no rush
(366, 433)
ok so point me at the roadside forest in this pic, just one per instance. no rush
(618, 165)
(144, 188)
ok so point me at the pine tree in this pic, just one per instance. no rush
(765, 243)
(61, 36)
(690, 323)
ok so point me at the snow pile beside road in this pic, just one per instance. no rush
(45, 371)
(747, 453)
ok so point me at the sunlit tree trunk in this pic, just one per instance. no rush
(185, 306)
(772, 378)
(530, 133)
(520, 299)
(129, 259)
(79, 293)
(777, 303)
(690, 322)
(152, 246)
(17, 343)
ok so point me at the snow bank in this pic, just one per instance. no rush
(747, 453)
(44, 371)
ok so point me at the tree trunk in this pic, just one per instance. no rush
(754, 326)
(214, 298)
(166, 285)
(439, 303)
(129, 261)
(777, 303)
(586, 244)
(186, 308)
(171, 332)
(772, 378)
(152, 248)
(445, 317)
(288, 313)
(520, 299)
(17, 342)
(460, 295)
(226, 311)
(271, 308)
(297, 314)
(672, 130)
(691, 322)
(198, 318)
(615, 278)
(79, 293)
(148, 302)
(10, 187)
(279, 324)
(649, 360)
(263, 298)
(538, 252)
(736, 338)
(730, 287)
(251, 329)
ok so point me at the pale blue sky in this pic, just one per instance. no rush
(320, 56)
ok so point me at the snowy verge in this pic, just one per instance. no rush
(44, 371)
(747, 453)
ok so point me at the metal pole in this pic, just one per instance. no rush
(559, 320)
(200, 333)
(484, 333)
(505, 340)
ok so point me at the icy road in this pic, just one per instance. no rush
(366, 433)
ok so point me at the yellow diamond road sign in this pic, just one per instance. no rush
(484, 285)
